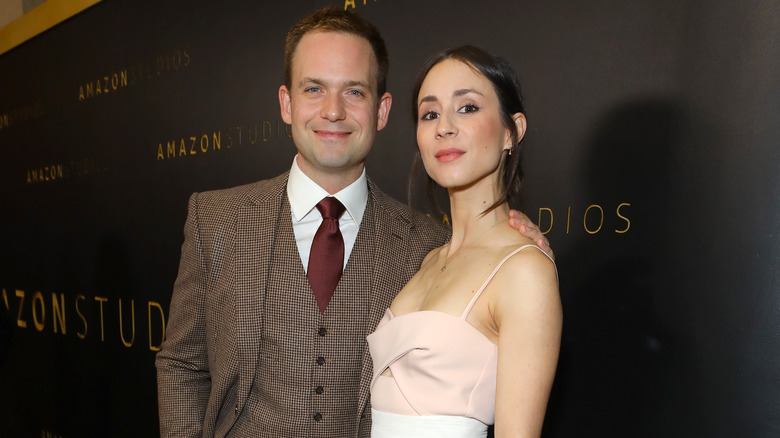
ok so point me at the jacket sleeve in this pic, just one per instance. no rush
(183, 378)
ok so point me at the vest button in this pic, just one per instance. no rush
(317, 416)
(320, 360)
(322, 331)
(319, 390)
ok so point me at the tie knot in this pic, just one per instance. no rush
(330, 207)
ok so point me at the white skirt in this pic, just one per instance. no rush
(387, 425)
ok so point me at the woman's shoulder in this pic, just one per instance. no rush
(526, 250)
(527, 259)
(525, 267)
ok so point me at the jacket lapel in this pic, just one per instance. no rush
(255, 235)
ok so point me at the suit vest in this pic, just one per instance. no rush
(308, 377)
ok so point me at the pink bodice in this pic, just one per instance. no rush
(440, 364)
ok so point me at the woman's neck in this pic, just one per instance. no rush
(468, 222)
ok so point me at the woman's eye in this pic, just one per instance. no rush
(429, 115)
(469, 108)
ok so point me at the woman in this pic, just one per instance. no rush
(473, 338)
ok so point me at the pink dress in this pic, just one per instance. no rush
(443, 379)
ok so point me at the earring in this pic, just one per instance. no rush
(510, 151)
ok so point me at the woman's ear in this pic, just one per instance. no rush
(520, 124)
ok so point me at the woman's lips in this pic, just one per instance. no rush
(449, 154)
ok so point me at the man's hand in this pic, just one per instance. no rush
(526, 227)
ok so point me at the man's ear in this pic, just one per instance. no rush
(383, 111)
(284, 104)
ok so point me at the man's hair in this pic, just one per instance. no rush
(335, 19)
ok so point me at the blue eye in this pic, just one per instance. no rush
(355, 92)
(312, 90)
(468, 108)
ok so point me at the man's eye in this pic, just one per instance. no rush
(355, 92)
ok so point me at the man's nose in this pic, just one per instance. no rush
(333, 108)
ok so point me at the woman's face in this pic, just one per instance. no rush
(459, 129)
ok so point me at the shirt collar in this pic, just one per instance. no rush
(304, 194)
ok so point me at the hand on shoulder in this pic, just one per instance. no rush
(527, 228)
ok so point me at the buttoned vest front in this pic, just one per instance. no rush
(308, 376)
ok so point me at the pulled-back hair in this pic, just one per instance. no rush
(335, 19)
(507, 87)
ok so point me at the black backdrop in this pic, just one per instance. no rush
(651, 158)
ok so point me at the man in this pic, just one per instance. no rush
(253, 347)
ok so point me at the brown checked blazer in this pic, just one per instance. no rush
(209, 358)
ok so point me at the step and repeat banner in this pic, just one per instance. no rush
(652, 164)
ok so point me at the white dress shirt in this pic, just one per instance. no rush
(304, 194)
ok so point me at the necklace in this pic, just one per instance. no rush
(448, 259)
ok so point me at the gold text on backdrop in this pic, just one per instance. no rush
(592, 219)
(34, 308)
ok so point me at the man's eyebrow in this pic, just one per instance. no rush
(356, 84)
(321, 82)
(311, 81)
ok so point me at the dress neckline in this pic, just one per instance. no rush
(438, 312)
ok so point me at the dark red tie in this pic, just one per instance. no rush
(326, 258)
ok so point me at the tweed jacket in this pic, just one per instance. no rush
(208, 361)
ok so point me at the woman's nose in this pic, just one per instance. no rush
(445, 127)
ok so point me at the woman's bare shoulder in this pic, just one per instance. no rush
(528, 274)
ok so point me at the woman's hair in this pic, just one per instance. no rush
(507, 87)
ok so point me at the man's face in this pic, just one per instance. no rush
(333, 107)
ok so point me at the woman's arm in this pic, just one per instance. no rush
(526, 308)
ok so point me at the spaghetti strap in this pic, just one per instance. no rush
(476, 296)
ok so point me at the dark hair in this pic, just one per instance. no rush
(335, 19)
(507, 87)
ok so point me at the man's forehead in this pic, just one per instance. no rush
(330, 43)
(319, 54)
